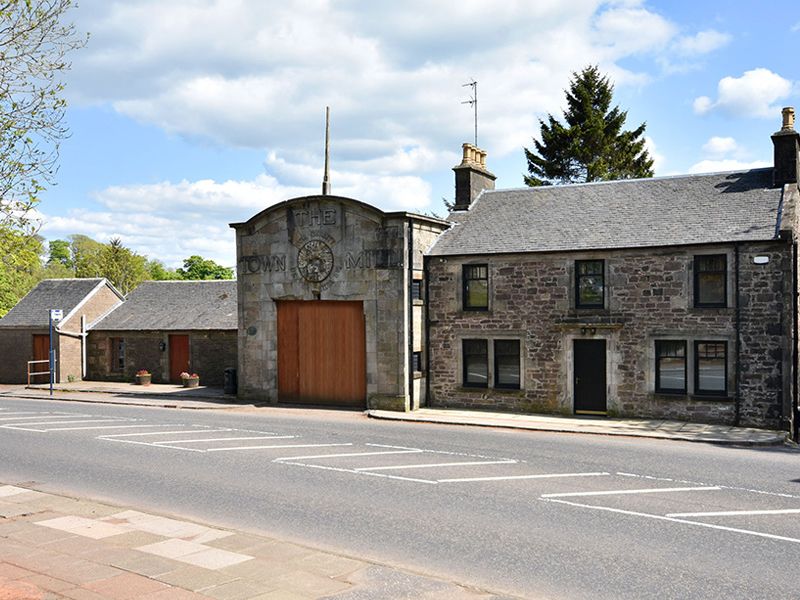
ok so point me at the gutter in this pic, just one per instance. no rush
(738, 326)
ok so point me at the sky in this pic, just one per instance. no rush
(188, 115)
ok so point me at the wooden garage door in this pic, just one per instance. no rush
(41, 351)
(322, 353)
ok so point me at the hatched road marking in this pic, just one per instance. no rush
(639, 491)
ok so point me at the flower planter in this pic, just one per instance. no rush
(191, 382)
(143, 379)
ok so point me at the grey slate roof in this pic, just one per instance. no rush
(64, 294)
(175, 305)
(663, 211)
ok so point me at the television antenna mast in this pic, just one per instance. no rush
(473, 101)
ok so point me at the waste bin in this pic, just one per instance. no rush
(229, 381)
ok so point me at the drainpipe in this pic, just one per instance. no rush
(410, 308)
(83, 346)
(795, 426)
(738, 321)
(426, 275)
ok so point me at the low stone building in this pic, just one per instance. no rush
(25, 335)
(670, 297)
(330, 303)
(167, 327)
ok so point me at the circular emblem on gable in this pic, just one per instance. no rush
(315, 261)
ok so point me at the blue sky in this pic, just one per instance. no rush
(188, 115)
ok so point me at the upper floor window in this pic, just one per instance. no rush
(711, 368)
(416, 289)
(589, 284)
(476, 287)
(710, 280)
(671, 366)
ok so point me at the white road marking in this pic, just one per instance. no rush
(230, 439)
(537, 476)
(119, 435)
(675, 520)
(285, 458)
(342, 470)
(432, 465)
(74, 422)
(153, 445)
(639, 491)
(724, 487)
(43, 416)
(737, 513)
(273, 446)
(92, 427)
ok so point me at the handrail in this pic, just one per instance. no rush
(33, 362)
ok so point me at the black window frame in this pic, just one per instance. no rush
(579, 276)
(497, 383)
(465, 363)
(416, 362)
(698, 258)
(416, 289)
(697, 389)
(659, 388)
(466, 277)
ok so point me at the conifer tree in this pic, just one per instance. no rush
(591, 145)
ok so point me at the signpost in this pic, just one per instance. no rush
(56, 314)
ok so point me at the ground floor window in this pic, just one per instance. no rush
(476, 363)
(710, 367)
(671, 366)
(117, 354)
(506, 364)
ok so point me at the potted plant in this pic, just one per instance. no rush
(143, 377)
(192, 380)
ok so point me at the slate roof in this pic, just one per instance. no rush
(33, 310)
(175, 305)
(662, 211)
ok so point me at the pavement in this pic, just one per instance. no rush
(205, 398)
(56, 547)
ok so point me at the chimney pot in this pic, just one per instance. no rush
(471, 176)
(788, 118)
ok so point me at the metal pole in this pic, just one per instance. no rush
(51, 353)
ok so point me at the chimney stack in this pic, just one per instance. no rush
(472, 177)
(787, 148)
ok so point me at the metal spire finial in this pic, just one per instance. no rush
(326, 184)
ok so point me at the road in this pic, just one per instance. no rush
(536, 515)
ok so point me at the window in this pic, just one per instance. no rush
(476, 287)
(710, 281)
(711, 368)
(671, 366)
(506, 364)
(589, 284)
(416, 362)
(117, 354)
(416, 289)
(476, 363)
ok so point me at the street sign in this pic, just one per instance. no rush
(56, 314)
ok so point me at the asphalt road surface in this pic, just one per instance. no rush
(536, 515)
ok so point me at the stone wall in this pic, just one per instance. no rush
(16, 349)
(649, 296)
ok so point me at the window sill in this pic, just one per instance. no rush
(504, 391)
(669, 396)
(418, 374)
(417, 302)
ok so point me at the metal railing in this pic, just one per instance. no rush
(34, 373)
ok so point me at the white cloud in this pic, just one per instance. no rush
(730, 164)
(754, 94)
(659, 160)
(702, 42)
(720, 146)
(796, 27)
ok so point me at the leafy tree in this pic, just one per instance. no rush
(197, 267)
(86, 256)
(34, 43)
(19, 263)
(591, 146)
(60, 253)
(122, 266)
(158, 272)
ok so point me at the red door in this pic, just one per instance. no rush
(178, 357)
(41, 351)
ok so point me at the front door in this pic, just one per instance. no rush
(41, 351)
(322, 353)
(178, 357)
(590, 377)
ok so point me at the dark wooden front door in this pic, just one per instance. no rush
(41, 351)
(322, 353)
(590, 377)
(178, 357)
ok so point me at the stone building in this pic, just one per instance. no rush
(167, 327)
(330, 303)
(671, 297)
(25, 335)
